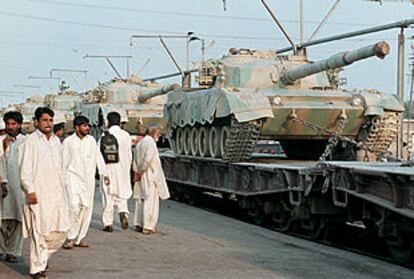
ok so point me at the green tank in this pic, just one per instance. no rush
(27, 109)
(251, 95)
(63, 104)
(138, 103)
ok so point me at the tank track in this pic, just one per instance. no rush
(382, 131)
(242, 141)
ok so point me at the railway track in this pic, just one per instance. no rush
(354, 238)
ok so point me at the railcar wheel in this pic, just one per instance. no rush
(281, 219)
(179, 140)
(203, 141)
(224, 135)
(187, 140)
(214, 142)
(401, 248)
(314, 227)
(194, 138)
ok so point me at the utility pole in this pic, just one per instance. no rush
(400, 90)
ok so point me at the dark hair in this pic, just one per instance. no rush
(15, 115)
(42, 110)
(58, 127)
(113, 118)
(79, 120)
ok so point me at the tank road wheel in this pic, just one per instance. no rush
(203, 141)
(194, 139)
(214, 142)
(179, 140)
(224, 135)
(187, 140)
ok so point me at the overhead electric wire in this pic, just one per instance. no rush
(175, 13)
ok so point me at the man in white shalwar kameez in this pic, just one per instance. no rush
(150, 185)
(46, 208)
(117, 193)
(81, 157)
(11, 234)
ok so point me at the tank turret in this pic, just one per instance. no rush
(380, 50)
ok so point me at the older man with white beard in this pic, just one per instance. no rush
(46, 207)
(150, 183)
(11, 235)
(81, 157)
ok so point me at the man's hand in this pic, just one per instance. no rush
(138, 176)
(32, 199)
(4, 190)
(106, 180)
(6, 142)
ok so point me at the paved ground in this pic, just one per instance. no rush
(195, 243)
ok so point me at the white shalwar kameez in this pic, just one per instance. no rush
(47, 222)
(152, 185)
(81, 157)
(117, 193)
(11, 235)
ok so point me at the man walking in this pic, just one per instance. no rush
(150, 183)
(119, 190)
(11, 235)
(46, 209)
(81, 157)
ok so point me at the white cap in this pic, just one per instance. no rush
(2, 125)
(59, 118)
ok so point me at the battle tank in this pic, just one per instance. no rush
(64, 105)
(27, 109)
(251, 95)
(139, 104)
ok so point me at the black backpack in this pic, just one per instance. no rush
(109, 148)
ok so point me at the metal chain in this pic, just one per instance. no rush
(335, 137)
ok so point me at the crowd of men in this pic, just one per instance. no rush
(47, 188)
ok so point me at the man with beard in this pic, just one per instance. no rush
(46, 208)
(11, 236)
(81, 157)
(150, 184)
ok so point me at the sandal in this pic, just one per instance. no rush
(82, 245)
(69, 245)
(148, 232)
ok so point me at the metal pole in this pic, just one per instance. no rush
(127, 67)
(301, 20)
(399, 24)
(409, 141)
(293, 46)
(400, 90)
(324, 20)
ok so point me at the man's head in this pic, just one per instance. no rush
(44, 120)
(13, 121)
(154, 131)
(81, 124)
(59, 129)
(113, 118)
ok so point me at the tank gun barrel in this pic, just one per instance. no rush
(156, 92)
(380, 50)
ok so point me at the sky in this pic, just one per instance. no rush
(40, 35)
